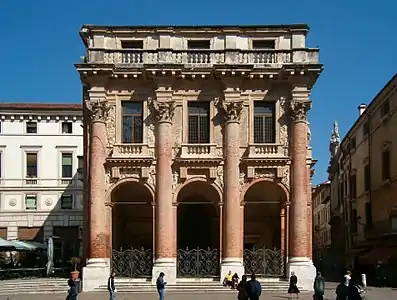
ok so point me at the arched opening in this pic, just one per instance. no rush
(262, 229)
(198, 236)
(132, 230)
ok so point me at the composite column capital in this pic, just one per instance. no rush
(98, 109)
(231, 109)
(162, 110)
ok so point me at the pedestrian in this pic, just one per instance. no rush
(254, 288)
(355, 292)
(72, 293)
(319, 287)
(341, 290)
(160, 283)
(242, 289)
(111, 287)
(293, 285)
(348, 277)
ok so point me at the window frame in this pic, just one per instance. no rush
(61, 198)
(132, 116)
(27, 125)
(263, 118)
(367, 178)
(71, 153)
(71, 127)
(386, 172)
(36, 202)
(200, 105)
(27, 152)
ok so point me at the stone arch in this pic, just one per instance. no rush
(247, 186)
(196, 180)
(120, 183)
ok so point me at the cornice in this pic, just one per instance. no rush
(41, 117)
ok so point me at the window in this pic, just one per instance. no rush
(198, 44)
(66, 202)
(199, 123)
(353, 143)
(31, 127)
(367, 178)
(67, 165)
(264, 123)
(67, 127)
(368, 214)
(31, 165)
(132, 122)
(353, 186)
(386, 164)
(385, 108)
(366, 128)
(354, 220)
(136, 44)
(263, 44)
(31, 202)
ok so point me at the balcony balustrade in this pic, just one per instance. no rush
(198, 151)
(203, 58)
(265, 150)
(130, 151)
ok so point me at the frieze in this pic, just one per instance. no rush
(300, 110)
(162, 111)
(98, 109)
(129, 173)
(232, 110)
(265, 173)
(111, 125)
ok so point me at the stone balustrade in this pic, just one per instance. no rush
(202, 58)
(130, 150)
(198, 151)
(265, 150)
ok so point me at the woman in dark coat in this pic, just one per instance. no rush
(341, 290)
(354, 290)
(293, 288)
(319, 287)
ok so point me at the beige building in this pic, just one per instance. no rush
(193, 136)
(321, 228)
(363, 172)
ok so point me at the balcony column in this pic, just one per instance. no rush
(299, 261)
(232, 259)
(98, 263)
(165, 251)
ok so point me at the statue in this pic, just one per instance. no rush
(335, 140)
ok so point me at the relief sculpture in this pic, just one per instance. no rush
(111, 126)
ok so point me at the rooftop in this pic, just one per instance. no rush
(39, 106)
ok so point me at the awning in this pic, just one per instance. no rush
(378, 254)
(27, 246)
(6, 245)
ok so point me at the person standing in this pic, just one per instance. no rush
(72, 293)
(111, 287)
(160, 283)
(348, 277)
(341, 291)
(242, 289)
(254, 288)
(319, 287)
(293, 287)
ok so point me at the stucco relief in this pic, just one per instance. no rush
(111, 126)
(130, 173)
(265, 173)
(242, 180)
(151, 139)
(175, 181)
(219, 176)
(152, 177)
(283, 123)
(286, 177)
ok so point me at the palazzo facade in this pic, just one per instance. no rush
(197, 149)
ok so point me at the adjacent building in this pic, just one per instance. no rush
(363, 174)
(193, 136)
(40, 191)
(321, 228)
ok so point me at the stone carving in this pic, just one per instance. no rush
(219, 176)
(98, 109)
(152, 177)
(334, 142)
(111, 126)
(150, 134)
(299, 110)
(175, 180)
(13, 202)
(265, 173)
(309, 134)
(48, 201)
(242, 180)
(231, 109)
(283, 121)
(286, 177)
(162, 111)
(130, 173)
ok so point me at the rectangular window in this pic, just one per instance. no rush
(198, 44)
(132, 122)
(354, 221)
(263, 44)
(66, 202)
(366, 128)
(136, 44)
(353, 186)
(385, 108)
(67, 127)
(368, 214)
(31, 127)
(31, 202)
(386, 164)
(353, 143)
(264, 122)
(31, 165)
(199, 122)
(367, 178)
(67, 165)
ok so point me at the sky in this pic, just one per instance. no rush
(39, 43)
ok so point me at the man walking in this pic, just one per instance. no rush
(160, 283)
(254, 288)
(111, 287)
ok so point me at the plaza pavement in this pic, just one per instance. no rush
(372, 293)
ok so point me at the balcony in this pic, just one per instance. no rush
(198, 151)
(265, 150)
(131, 151)
(381, 228)
(202, 58)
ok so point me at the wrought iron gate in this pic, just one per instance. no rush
(132, 262)
(198, 262)
(264, 262)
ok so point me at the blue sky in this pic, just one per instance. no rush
(40, 43)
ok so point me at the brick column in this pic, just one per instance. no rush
(283, 233)
(108, 225)
(86, 184)
(232, 252)
(165, 260)
(298, 261)
(98, 140)
(309, 215)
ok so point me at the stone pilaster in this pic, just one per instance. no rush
(165, 261)
(299, 261)
(98, 263)
(232, 258)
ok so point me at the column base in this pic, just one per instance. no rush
(235, 265)
(168, 267)
(95, 273)
(304, 270)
